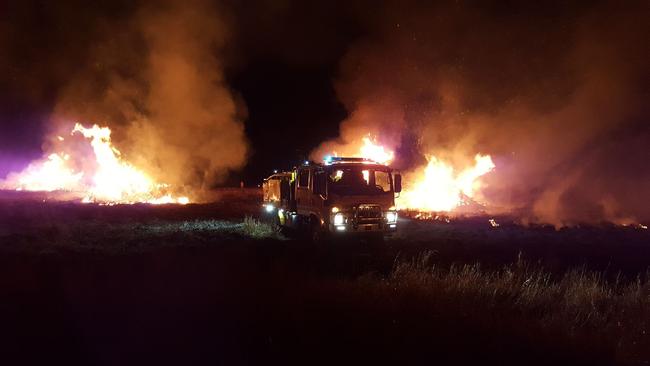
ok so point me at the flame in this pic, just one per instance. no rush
(438, 188)
(434, 187)
(50, 175)
(371, 150)
(111, 180)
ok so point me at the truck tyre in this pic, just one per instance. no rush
(316, 233)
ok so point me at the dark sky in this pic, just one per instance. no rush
(282, 124)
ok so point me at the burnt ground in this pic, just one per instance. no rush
(107, 285)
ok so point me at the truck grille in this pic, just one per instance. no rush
(369, 212)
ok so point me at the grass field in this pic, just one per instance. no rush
(210, 284)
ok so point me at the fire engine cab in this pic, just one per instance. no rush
(340, 197)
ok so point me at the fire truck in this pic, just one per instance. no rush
(340, 197)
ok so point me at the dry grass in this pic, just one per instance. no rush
(578, 303)
(257, 229)
(578, 297)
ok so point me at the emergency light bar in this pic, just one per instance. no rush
(342, 160)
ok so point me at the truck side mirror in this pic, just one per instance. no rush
(398, 183)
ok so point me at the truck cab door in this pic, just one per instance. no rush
(319, 189)
(303, 191)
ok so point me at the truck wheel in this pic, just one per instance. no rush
(287, 231)
(316, 234)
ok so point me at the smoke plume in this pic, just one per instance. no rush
(556, 94)
(156, 79)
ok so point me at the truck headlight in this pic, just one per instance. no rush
(269, 208)
(391, 217)
(339, 219)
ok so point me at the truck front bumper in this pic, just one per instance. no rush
(363, 228)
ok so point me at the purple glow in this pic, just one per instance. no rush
(14, 163)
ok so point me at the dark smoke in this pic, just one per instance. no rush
(556, 93)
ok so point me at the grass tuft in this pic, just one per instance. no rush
(257, 229)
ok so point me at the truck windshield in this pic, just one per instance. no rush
(359, 181)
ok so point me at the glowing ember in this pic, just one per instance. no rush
(438, 188)
(370, 150)
(109, 180)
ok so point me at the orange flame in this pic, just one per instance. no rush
(50, 175)
(370, 150)
(438, 188)
(434, 187)
(111, 181)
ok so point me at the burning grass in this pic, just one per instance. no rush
(110, 180)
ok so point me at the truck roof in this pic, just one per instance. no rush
(366, 165)
(280, 175)
(345, 161)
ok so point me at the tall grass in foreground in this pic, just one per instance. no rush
(578, 302)
(579, 297)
